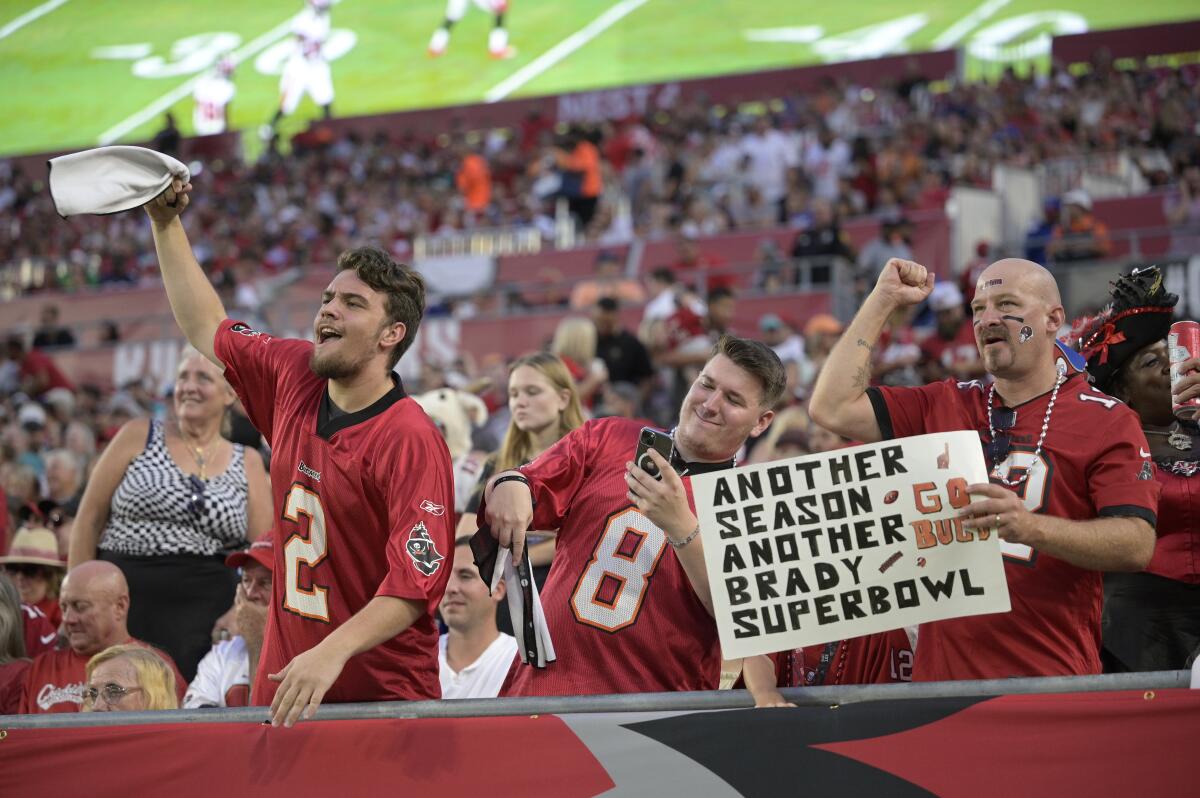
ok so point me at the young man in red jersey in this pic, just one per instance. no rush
(1071, 491)
(359, 475)
(627, 601)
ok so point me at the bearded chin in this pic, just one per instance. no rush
(332, 367)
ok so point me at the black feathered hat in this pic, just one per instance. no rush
(1140, 313)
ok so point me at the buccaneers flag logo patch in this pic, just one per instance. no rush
(424, 553)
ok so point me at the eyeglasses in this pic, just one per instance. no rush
(195, 502)
(112, 692)
(1003, 419)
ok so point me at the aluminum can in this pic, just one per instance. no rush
(1183, 342)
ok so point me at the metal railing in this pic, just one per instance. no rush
(634, 702)
(1104, 174)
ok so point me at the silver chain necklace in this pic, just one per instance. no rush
(1037, 452)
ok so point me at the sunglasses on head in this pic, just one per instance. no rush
(1003, 420)
(195, 503)
(25, 569)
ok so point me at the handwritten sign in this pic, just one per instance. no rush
(825, 547)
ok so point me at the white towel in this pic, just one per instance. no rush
(111, 179)
(533, 640)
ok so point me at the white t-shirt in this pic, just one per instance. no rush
(483, 677)
(771, 155)
(224, 669)
(791, 349)
(825, 166)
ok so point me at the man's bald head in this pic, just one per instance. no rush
(97, 577)
(95, 603)
(1023, 275)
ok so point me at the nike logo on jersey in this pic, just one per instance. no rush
(1143, 453)
(48, 639)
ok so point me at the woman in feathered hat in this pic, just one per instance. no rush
(1151, 619)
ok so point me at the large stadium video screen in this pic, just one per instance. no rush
(80, 73)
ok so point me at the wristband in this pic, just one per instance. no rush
(511, 478)
(680, 544)
(516, 478)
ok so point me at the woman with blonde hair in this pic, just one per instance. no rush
(165, 502)
(545, 407)
(129, 678)
(575, 343)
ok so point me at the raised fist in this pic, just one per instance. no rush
(904, 282)
(169, 204)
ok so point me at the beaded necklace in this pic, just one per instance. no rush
(1037, 452)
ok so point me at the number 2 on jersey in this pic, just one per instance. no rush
(297, 551)
(613, 586)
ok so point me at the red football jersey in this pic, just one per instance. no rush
(365, 508)
(881, 658)
(1091, 466)
(55, 680)
(621, 611)
(40, 634)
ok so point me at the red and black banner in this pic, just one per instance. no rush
(1090, 744)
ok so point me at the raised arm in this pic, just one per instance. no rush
(839, 400)
(197, 308)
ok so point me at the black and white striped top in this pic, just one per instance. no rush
(153, 511)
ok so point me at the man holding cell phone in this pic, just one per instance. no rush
(627, 601)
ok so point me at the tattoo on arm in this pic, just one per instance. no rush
(862, 377)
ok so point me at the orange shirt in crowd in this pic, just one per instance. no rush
(1084, 227)
(589, 292)
(585, 158)
(474, 180)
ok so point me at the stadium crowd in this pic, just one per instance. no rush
(806, 163)
(697, 171)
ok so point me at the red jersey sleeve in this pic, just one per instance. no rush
(254, 363)
(556, 475)
(901, 412)
(420, 499)
(1121, 480)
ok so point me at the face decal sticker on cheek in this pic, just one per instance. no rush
(1026, 334)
